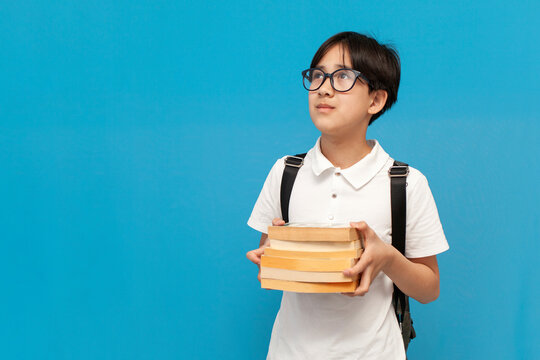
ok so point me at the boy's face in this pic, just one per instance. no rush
(349, 111)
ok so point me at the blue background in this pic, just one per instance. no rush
(135, 138)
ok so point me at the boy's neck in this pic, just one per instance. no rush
(344, 152)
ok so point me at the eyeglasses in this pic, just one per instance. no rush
(341, 80)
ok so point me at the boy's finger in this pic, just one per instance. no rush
(365, 282)
(258, 251)
(359, 267)
(363, 228)
(278, 222)
(360, 225)
(255, 255)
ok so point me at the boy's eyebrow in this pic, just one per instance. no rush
(339, 66)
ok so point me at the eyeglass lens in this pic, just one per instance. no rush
(343, 80)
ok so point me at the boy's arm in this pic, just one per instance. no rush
(264, 240)
(418, 278)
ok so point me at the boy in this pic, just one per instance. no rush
(351, 82)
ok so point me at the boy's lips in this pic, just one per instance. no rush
(324, 107)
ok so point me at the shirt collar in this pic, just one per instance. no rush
(358, 174)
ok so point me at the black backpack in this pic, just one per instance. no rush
(398, 177)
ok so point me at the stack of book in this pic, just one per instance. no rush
(310, 258)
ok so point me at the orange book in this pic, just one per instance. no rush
(307, 287)
(313, 233)
(304, 264)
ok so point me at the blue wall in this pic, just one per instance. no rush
(135, 138)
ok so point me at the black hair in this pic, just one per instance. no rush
(378, 62)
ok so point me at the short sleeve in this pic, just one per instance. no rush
(424, 235)
(268, 205)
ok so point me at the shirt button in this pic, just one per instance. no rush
(337, 174)
(334, 195)
(331, 217)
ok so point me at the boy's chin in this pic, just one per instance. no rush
(337, 132)
(327, 123)
(329, 130)
(334, 126)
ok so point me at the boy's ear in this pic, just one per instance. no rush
(378, 99)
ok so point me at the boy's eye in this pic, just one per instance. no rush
(344, 75)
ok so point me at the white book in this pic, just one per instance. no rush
(324, 225)
(314, 245)
(305, 276)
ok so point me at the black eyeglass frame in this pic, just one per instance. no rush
(357, 74)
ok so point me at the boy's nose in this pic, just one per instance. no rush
(326, 88)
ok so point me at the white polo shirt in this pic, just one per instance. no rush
(335, 326)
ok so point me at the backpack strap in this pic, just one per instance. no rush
(398, 182)
(292, 165)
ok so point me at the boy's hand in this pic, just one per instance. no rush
(255, 255)
(376, 256)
